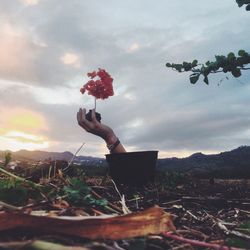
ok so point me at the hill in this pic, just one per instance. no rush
(38, 155)
(231, 164)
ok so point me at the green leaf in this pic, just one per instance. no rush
(242, 52)
(169, 65)
(187, 66)
(7, 158)
(194, 78)
(239, 2)
(178, 67)
(194, 63)
(213, 66)
(231, 56)
(236, 72)
(79, 193)
(206, 80)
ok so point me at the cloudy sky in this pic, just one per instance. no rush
(48, 46)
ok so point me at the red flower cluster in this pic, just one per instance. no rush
(101, 88)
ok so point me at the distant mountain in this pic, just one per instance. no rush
(38, 155)
(90, 161)
(231, 164)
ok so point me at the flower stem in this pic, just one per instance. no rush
(95, 103)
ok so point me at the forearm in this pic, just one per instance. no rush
(106, 133)
(112, 140)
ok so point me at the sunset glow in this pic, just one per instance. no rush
(15, 140)
(21, 129)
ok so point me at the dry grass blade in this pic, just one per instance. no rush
(74, 156)
(125, 209)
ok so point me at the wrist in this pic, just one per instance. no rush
(112, 147)
(110, 139)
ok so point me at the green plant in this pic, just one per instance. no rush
(230, 63)
(17, 192)
(7, 158)
(78, 193)
(244, 2)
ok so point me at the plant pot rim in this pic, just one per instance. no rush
(133, 152)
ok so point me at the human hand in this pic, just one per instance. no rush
(95, 127)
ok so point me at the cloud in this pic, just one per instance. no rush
(133, 47)
(46, 50)
(24, 138)
(29, 2)
(71, 59)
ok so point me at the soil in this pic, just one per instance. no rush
(89, 116)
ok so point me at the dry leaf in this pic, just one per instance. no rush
(151, 221)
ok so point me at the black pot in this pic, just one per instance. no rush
(89, 116)
(134, 168)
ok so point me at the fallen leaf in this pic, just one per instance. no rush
(151, 221)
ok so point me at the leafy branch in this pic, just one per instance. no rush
(230, 63)
(244, 2)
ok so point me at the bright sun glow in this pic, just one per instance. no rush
(21, 129)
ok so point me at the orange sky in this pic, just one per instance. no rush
(22, 129)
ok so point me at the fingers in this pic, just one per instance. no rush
(79, 116)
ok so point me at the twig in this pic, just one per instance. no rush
(125, 209)
(199, 243)
(171, 202)
(97, 211)
(31, 183)
(9, 206)
(232, 232)
(184, 246)
(221, 224)
(74, 156)
(192, 231)
(192, 215)
(110, 205)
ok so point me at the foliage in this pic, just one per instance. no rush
(244, 2)
(229, 63)
(7, 158)
(17, 192)
(78, 192)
